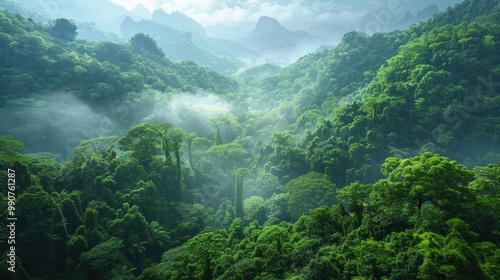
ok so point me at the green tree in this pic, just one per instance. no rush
(147, 46)
(238, 191)
(217, 123)
(355, 197)
(8, 148)
(177, 136)
(64, 29)
(281, 140)
(268, 184)
(487, 180)
(236, 232)
(225, 157)
(204, 249)
(323, 222)
(95, 147)
(190, 138)
(308, 192)
(449, 257)
(99, 262)
(42, 230)
(428, 178)
(272, 250)
(145, 140)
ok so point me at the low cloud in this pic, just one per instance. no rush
(210, 13)
(295, 14)
(57, 122)
(53, 122)
(191, 112)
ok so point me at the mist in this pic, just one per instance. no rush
(54, 122)
(57, 122)
(191, 112)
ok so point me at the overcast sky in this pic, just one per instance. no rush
(288, 12)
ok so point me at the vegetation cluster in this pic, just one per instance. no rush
(378, 159)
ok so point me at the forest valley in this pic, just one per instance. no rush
(379, 159)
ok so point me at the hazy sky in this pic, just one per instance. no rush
(305, 12)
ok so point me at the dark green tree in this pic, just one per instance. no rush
(100, 262)
(177, 136)
(64, 29)
(145, 140)
(147, 46)
(355, 197)
(204, 249)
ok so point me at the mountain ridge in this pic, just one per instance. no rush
(179, 21)
(270, 36)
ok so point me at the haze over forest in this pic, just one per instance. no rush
(264, 31)
(284, 139)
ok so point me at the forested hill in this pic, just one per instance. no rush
(431, 88)
(378, 159)
(50, 80)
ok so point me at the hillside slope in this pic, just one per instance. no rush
(37, 64)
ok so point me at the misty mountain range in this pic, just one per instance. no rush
(181, 37)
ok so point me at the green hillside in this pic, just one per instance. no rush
(49, 78)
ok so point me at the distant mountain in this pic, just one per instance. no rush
(99, 11)
(428, 12)
(333, 33)
(276, 44)
(178, 21)
(410, 19)
(384, 20)
(24, 11)
(231, 32)
(420, 5)
(222, 48)
(141, 11)
(270, 35)
(175, 43)
(267, 23)
(218, 55)
(89, 31)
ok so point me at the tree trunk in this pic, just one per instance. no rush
(239, 196)
(166, 151)
(179, 170)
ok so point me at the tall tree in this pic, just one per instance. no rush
(145, 140)
(238, 191)
(217, 122)
(178, 135)
(204, 250)
(355, 196)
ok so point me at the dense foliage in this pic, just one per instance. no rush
(378, 159)
(40, 65)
